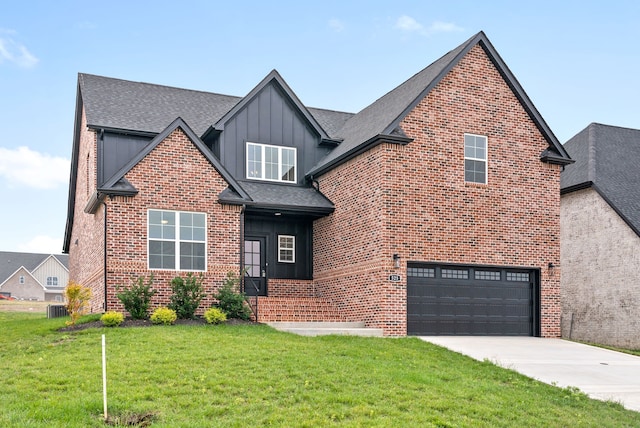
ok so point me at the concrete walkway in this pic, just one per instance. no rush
(599, 373)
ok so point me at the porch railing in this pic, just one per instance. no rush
(253, 286)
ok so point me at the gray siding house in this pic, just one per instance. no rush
(600, 237)
(31, 276)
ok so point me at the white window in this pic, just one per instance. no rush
(286, 249)
(21, 279)
(475, 158)
(272, 163)
(52, 281)
(177, 240)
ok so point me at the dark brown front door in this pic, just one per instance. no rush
(255, 283)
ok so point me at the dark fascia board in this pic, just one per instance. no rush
(550, 156)
(513, 83)
(178, 123)
(71, 200)
(315, 212)
(272, 76)
(372, 142)
(576, 187)
(123, 131)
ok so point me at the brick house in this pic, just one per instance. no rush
(434, 210)
(600, 237)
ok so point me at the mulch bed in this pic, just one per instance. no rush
(129, 322)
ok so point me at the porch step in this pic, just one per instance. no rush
(326, 328)
(297, 309)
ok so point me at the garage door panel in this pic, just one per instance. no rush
(447, 303)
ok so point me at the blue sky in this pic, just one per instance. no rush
(578, 61)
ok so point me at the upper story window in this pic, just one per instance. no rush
(475, 158)
(21, 279)
(177, 240)
(52, 281)
(272, 163)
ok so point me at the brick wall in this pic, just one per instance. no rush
(600, 255)
(412, 200)
(174, 176)
(86, 261)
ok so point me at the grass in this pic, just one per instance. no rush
(250, 375)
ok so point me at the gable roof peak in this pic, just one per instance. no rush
(273, 76)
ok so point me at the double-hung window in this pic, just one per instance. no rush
(272, 163)
(177, 240)
(475, 158)
(286, 249)
(52, 281)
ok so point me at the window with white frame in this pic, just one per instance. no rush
(475, 158)
(286, 249)
(272, 163)
(52, 281)
(177, 240)
(21, 279)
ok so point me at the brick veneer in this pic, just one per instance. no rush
(412, 200)
(86, 252)
(174, 176)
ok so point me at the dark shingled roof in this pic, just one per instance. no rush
(382, 118)
(145, 107)
(10, 262)
(607, 159)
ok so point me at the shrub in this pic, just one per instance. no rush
(78, 297)
(230, 301)
(112, 319)
(164, 316)
(215, 316)
(137, 298)
(187, 295)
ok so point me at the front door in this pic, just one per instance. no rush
(255, 281)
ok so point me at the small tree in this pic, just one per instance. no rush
(137, 298)
(230, 301)
(78, 297)
(187, 295)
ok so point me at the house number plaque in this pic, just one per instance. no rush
(395, 278)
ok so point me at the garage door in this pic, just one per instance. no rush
(471, 300)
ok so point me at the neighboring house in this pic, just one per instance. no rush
(600, 236)
(435, 210)
(32, 276)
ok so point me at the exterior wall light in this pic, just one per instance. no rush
(396, 260)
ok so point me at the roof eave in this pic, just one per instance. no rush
(369, 144)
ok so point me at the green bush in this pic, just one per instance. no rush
(112, 319)
(230, 301)
(164, 316)
(215, 316)
(137, 298)
(187, 295)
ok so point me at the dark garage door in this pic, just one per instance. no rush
(471, 300)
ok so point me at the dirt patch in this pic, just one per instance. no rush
(23, 306)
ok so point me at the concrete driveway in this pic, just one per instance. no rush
(599, 373)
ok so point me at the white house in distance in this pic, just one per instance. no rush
(30, 276)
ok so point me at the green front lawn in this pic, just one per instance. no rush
(250, 375)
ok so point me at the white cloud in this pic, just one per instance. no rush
(17, 53)
(336, 25)
(407, 23)
(42, 244)
(26, 167)
(410, 25)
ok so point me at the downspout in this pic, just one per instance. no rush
(104, 204)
